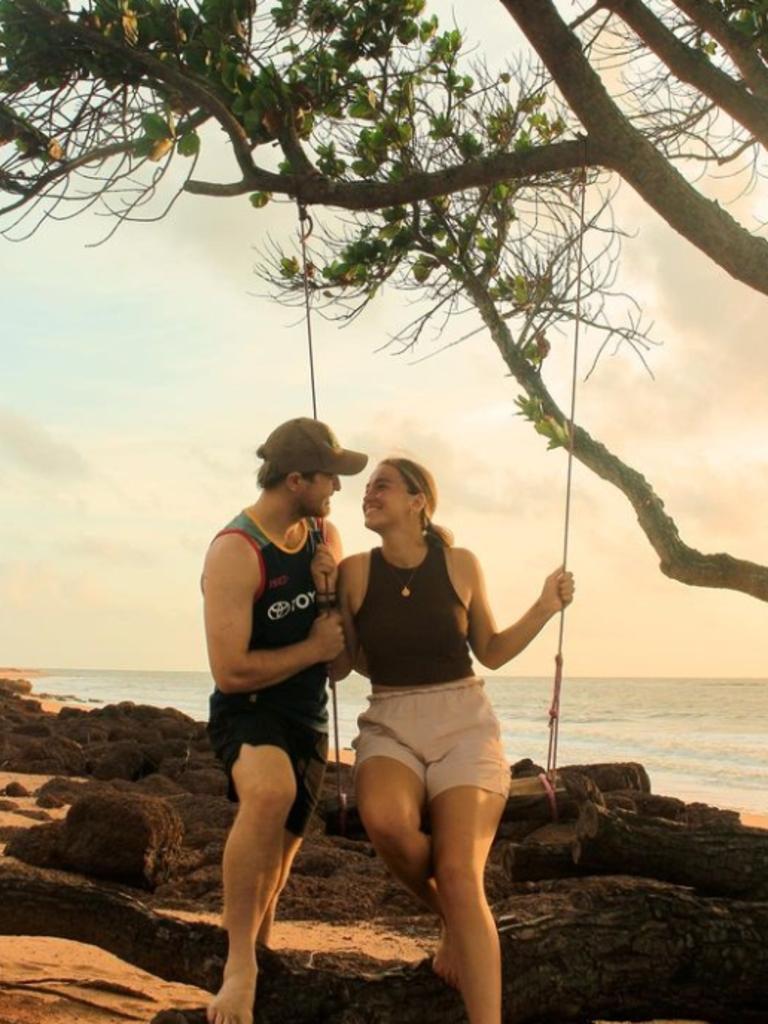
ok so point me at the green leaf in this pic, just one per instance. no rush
(258, 200)
(189, 144)
(156, 127)
(407, 31)
(289, 265)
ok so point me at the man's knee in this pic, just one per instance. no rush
(265, 783)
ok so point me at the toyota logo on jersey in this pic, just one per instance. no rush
(279, 609)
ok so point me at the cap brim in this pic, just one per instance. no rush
(348, 463)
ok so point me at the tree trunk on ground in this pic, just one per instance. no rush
(533, 862)
(635, 948)
(719, 859)
(528, 800)
(651, 805)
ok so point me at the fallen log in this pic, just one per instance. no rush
(626, 775)
(528, 799)
(717, 859)
(633, 948)
(652, 805)
(534, 862)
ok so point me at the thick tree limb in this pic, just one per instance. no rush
(373, 195)
(694, 67)
(706, 16)
(633, 948)
(704, 223)
(719, 859)
(677, 559)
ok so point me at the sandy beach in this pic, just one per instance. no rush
(57, 981)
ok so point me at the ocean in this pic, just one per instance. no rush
(699, 739)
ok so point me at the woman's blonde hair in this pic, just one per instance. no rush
(419, 480)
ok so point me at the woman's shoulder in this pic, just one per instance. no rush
(355, 566)
(461, 558)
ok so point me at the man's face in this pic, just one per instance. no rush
(315, 494)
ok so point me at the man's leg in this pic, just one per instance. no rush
(252, 867)
(291, 844)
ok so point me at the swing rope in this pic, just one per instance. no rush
(305, 230)
(549, 779)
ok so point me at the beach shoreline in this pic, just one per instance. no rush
(52, 705)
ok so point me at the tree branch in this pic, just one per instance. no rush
(373, 195)
(677, 560)
(703, 222)
(200, 93)
(706, 16)
(693, 67)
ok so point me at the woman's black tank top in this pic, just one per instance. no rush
(417, 639)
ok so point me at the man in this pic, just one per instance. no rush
(268, 649)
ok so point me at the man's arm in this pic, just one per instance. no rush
(232, 575)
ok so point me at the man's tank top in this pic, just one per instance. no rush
(283, 612)
(415, 640)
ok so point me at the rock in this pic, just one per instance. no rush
(39, 846)
(210, 781)
(33, 729)
(128, 838)
(59, 791)
(123, 759)
(33, 814)
(203, 813)
(53, 755)
(157, 785)
(16, 686)
(16, 789)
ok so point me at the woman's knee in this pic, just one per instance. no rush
(388, 826)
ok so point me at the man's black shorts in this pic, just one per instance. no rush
(259, 726)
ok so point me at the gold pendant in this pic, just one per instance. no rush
(405, 592)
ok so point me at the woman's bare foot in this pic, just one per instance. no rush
(443, 963)
(234, 1002)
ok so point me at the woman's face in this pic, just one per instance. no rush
(387, 500)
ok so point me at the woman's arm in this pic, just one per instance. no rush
(352, 581)
(492, 647)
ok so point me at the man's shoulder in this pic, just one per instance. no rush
(244, 527)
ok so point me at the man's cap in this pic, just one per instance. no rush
(305, 445)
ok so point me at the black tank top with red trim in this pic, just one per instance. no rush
(283, 612)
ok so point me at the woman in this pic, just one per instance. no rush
(412, 608)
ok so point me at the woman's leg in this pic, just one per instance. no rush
(464, 821)
(390, 799)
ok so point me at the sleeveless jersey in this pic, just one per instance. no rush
(416, 640)
(283, 612)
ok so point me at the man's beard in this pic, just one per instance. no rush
(317, 508)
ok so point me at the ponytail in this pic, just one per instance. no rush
(437, 536)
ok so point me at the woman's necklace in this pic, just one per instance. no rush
(405, 587)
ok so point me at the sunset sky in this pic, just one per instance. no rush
(140, 376)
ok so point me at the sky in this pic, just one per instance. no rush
(140, 376)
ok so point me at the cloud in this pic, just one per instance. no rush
(30, 447)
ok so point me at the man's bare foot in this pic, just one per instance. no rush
(443, 963)
(234, 1002)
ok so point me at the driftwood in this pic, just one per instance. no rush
(652, 805)
(640, 948)
(724, 860)
(528, 800)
